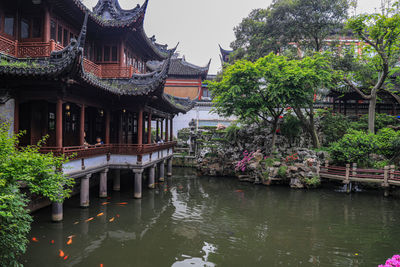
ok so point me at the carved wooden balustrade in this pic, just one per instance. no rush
(112, 71)
(79, 152)
(43, 49)
(7, 46)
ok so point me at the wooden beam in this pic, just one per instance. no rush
(140, 127)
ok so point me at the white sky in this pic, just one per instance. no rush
(200, 25)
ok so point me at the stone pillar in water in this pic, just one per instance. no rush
(117, 180)
(138, 183)
(85, 186)
(103, 183)
(169, 170)
(57, 212)
(152, 171)
(161, 171)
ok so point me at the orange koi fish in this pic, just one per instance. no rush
(122, 203)
(100, 214)
(112, 219)
(52, 241)
(69, 242)
(105, 203)
(61, 253)
(117, 215)
(66, 257)
(239, 191)
(101, 265)
(88, 220)
(34, 239)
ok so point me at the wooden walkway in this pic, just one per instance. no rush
(386, 177)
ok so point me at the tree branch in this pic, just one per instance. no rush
(355, 88)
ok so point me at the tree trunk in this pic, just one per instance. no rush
(309, 125)
(274, 129)
(371, 113)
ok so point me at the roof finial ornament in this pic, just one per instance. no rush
(82, 34)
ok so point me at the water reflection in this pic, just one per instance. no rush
(190, 221)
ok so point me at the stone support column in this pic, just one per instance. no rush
(103, 183)
(169, 168)
(138, 183)
(85, 186)
(161, 171)
(117, 180)
(152, 171)
(57, 212)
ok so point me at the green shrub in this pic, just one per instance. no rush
(381, 121)
(268, 162)
(388, 141)
(313, 181)
(291, 127)
(282, 171)
(184, 134)
(231, 132)
(334, 126)
(354, 147)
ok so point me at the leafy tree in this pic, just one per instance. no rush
(260, 91)
(380, 52)
(305, 22)
(39, 174)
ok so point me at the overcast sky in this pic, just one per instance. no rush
(200, 25)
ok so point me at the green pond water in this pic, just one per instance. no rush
(202, 221)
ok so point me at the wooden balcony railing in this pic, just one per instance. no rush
(78, 152)
(43, 49)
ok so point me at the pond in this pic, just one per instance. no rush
(202, 221)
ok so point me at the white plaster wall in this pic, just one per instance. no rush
(123, 159)
(198, 113)
(72, 166)
(7, 113)
(146, 158)
(95, 162)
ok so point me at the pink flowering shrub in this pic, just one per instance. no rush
(392, 262)
(242, 164)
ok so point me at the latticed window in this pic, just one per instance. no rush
(9, 24)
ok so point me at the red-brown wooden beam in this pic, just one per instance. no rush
(166, 130)
(82, 126)
(16, 115)
(59, 123)
(107, 133)
(149, 129)
(171, 136)
(140, 127)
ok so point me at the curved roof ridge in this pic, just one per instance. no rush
(111, 10)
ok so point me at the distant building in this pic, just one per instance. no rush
(224, 56)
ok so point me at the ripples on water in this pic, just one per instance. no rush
(191, 221)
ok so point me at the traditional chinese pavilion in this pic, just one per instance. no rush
(78, 75)
(185, 80)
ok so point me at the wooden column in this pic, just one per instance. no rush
(107, 133)
(16, 116)
(121, 54)
(166, 130)
(162, 129)
(46, 32)
(82, 126)
(157, 128)
(59, 123)
(149, 129)
(140, 127)
(171, 135)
